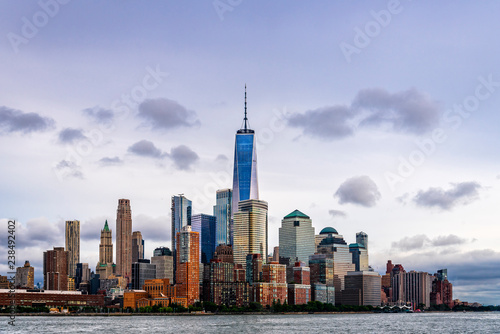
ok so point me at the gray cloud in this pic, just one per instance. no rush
(183, 157)
(12, 120)
(69, 169)
(221, 158)
(328, 122)
(408, 110)
(153, 228)
(421, 241)
(359, 190)
(106, 161)
(90, 229)
(99, 114)
(337, 213)
(70, 135)
(459, 193)
(40, 232)
(165, 114)
(146, 148)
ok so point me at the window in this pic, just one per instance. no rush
(296, 223)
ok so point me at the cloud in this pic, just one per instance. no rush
(146, 148)
(12, 120)
(106, 161)
(68, 169)
(328, 123)
(359, 190)
(40, 232)
(337, 213)
(165, 114)
(70, 135)
(409, 110)
(221, 158)
(90, 229)
(422, 241)
(183, 157)
(99, 114)
(153, 228)
(459, 193)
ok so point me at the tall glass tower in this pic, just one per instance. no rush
(245, 184)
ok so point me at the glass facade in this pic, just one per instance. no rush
(222, 213)
(245, 185)
(205, 225)
(296, 237)
(181, 216)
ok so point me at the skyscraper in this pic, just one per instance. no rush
(124, 239)
(296, 237)
(250, 230)
(205, 225)
(104, 267)
(73, 245)
(137, 246)
(181, 216)
(362, 238)
(222, 212)
(55, 269)
(188, 264)
(245, 182)
(25, 277)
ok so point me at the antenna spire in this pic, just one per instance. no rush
(245, 119)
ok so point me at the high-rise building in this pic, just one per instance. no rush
(142, 270)
(188, 264)
(362, 288)
(335, 247)
(105, 265)
(25, 277)
(296, 237)
(137, 246)
(245, 182)
(73, 245)
(181, 216)
(222, 213)
(206, 226)
(359, 256)
(124, 239)
(164, 261)
(413, 287)
(55, 269)
(362, 238)
(250, 230)
(82, 274)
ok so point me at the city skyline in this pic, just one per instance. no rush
(390, 131)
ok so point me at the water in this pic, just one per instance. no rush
(296, 323)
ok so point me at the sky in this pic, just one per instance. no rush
(374, 116)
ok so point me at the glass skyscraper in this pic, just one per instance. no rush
(222, 212)
(205, 225)
(245, 183)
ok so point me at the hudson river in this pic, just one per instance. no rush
(488, 322)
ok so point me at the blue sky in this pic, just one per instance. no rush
(123, 99)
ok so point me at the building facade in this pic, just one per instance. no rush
(25, 277)
(296, 237)
(72, 245)
(188, 264)
(55, 269)
(141, 271)
(137, 246)
(362, 288)
(223, 214)
(206, 226)
(250, 230)
(124, 239)
(105, 267)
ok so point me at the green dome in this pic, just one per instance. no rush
(328, 230)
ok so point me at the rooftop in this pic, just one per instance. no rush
(328, 230)
(297, 214)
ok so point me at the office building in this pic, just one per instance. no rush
(25, 277)
(124, 239)
(250, 230)
(359, 256)
(73, 245)
(223, 214)
(362, 239)
(188, 264)
(105, 267)
(296, 237)
(206, 226)
(82, 274)
(55, 269)
(137, 246)
(274, 288)
(142, 270)
(164, 261)
(245, 181)
(362, 288)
